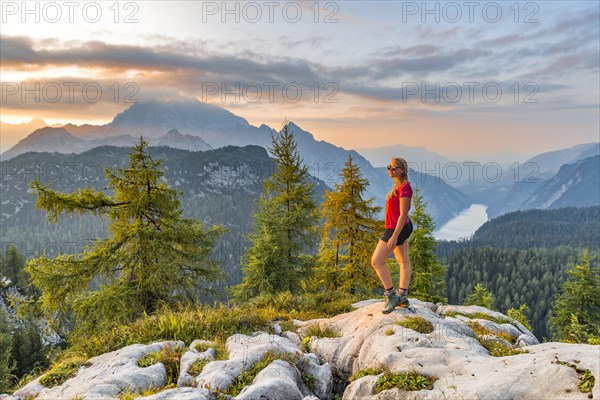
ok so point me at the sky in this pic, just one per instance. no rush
(459, 78)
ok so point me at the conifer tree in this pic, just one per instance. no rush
(6, 366)
(348, 237)
(480, 297)
(12, 265)
(575, 314)
(152, 256)
(284, 226)
(428, 275)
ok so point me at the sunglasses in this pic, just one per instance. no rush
(389, 167)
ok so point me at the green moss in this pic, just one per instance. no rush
(418, 324)
(586, 381)
(586, 378)
(62, 371)
(411, 380)
(390, 332)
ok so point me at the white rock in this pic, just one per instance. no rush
(186, 393)
(113, 373)
(361, 388)
(452, 354)
(279, 380)
(323, 379)
(244, 351)
(31, 390)
(219, 374)
(249, 349)
(526, 340)
(190, 357)
(293, 337)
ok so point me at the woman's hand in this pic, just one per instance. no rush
(391, 243)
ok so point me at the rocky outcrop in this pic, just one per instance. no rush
(465, 352)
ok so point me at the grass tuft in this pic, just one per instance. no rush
(418, 324)
(496, 349)
(411, 380)
(60, 372)
(365, 372)
(321, 331)
(170, 356)
(481, 330)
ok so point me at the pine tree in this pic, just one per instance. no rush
(28, 349)
(152, 256)
(6, 366)
(575, 314)
(348, 237)
(428, 275)
(12, 267)
(284, 226)
(480, 297)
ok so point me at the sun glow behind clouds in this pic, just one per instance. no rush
(371, 52)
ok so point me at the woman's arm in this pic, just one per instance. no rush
(404, 207)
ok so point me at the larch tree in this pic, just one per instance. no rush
(348, 236)
(153, 256)
(285, 221)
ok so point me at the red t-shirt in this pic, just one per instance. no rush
(392, 206)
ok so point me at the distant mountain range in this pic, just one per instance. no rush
(574, 185)
(60, 140)
(196, 126)
(215, 127)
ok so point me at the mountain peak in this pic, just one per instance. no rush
(51, 133)
(173, 133)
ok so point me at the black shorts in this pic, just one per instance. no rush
(404, 233)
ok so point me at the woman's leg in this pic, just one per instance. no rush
(381, 254)
(401, 253)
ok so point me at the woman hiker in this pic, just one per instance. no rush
(398, 228)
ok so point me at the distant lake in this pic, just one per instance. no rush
(464, 224)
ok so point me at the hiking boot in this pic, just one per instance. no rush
(391, 302)
(402, 300)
